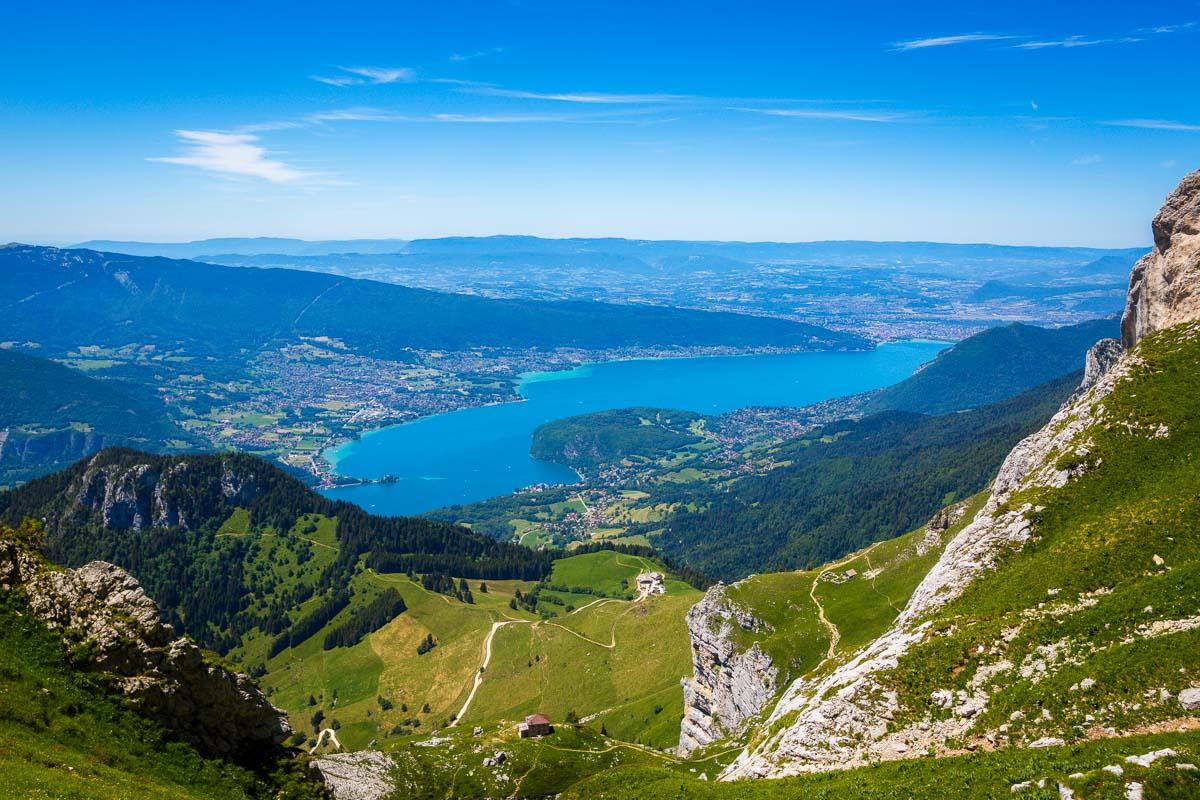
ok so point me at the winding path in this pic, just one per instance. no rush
(487, 645)
(835, 636)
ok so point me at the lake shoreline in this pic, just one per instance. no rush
(323, 467)
(479, 451)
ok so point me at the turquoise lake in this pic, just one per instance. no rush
(476, 453)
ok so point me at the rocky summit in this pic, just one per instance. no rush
(111, 626)
(1164, 287)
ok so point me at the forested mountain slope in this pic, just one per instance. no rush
(182, 526)
(992, 365)
(852, 483)
(52, 415)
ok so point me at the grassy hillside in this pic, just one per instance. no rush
(854, 483)
(65, 734)
(616, 663)
(533, 767)
(1107, 588)
(53, 415)
(992, 365)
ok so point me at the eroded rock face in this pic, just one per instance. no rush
(365, 775)
(156, 493)
(728, 685)
(110, 625)
(1164, 287)
(1100, 359)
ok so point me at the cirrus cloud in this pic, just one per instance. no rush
(947, 41)
(358, 76)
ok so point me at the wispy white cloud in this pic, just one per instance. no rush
(491, 51)
(1155, 125)
(383, 74)
(506, 119)
(364, 114)
(847, 115)
(1026, 42)
(1087, 161)
(1075, 41)
(947, 41)
(357, 76)
(340, 80)
(234, 155)
(1176, 28)
(589, 98)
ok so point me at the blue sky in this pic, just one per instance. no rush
(1015, 122)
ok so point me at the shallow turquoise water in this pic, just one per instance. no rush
(478, 453)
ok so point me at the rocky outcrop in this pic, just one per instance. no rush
(842, 719)
(365, 775)
(110, 625)
(1164, 287)
(156, 492)
(1100, 358)
(729, 684)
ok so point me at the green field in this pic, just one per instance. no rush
(614, 660)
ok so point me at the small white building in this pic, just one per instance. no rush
(649, 583)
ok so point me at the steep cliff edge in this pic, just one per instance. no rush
(730, 683)
(111, 626)
(1164, 287)
(1079, 511)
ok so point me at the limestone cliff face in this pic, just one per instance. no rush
(142, 495)
(111, 626)
(1164, 287)
(842, 719)
(729, 684)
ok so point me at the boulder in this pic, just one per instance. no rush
(1190, 699)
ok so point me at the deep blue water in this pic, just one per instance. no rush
(478, 453)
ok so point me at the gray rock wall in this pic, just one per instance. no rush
(729, 685)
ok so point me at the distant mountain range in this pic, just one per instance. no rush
(244, 245)
(634, 254)
(66, 298)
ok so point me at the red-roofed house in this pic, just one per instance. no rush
(535, 725)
